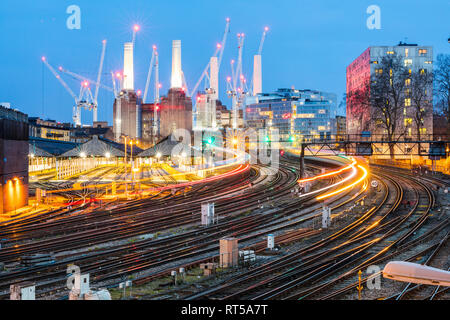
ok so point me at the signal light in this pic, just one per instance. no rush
(266, 139)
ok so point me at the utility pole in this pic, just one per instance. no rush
(302, 161)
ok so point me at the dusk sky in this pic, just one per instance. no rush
(309, 44)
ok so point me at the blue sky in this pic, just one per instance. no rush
(309, 44)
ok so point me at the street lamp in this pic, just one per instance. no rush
(416, 273)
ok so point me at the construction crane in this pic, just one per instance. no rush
(83, 100)
(154, 63)
(156, 102)
(99, 76)
(96, 83)
(219, 50)
(149, 74)
(237, 93)
(263, 37)
(136, 28)
(256, 85)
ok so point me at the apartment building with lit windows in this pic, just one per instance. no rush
(299, 115)
(362, 71)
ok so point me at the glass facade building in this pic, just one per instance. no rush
(299, 115)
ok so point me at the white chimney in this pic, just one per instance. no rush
(128, 67)
(257, 75)
(176, 80)
(214, 77)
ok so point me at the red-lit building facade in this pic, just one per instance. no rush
(358, 77)
(360, 74)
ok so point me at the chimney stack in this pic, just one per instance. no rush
(214, 77)
(257, 75)
(176, 79)
(128, 67)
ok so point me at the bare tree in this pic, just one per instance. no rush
(387, 92)
(420, 93)
(383, 97)
(442, 81)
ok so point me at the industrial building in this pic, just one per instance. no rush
(50, 129)
(299, 115)
(361, 72)
(14, 163)
(127, 105)
(176, 106)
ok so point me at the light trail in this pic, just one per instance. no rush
(238, 170)
(330, 194)
(329, 174)
(354, 171)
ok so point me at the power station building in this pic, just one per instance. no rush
(127, 106)
(127, 115)
(176, 107)
(14, 160)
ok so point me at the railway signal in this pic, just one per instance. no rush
(359, 287)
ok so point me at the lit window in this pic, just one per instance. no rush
(408, 121)
(322, 111)
(390, 52)
(423, 130)
(407, 82)
(407, 102)
(406, 52)
(379, 71)
(423, 71)
(408, 62)
(428, 62)
(422, 52)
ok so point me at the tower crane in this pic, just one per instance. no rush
(97, 83)
(237, 93)
(256, 85)
(263, 37)
(99, 76)
(219, 50)
(156, 102)
(154, 63)
(83, 100)
(149, 74)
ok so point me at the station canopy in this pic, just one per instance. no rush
(95, 147)
(41, 147)
(165, 147)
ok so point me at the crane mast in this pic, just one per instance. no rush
(156, 103)
(149, 75)
(97, 84)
